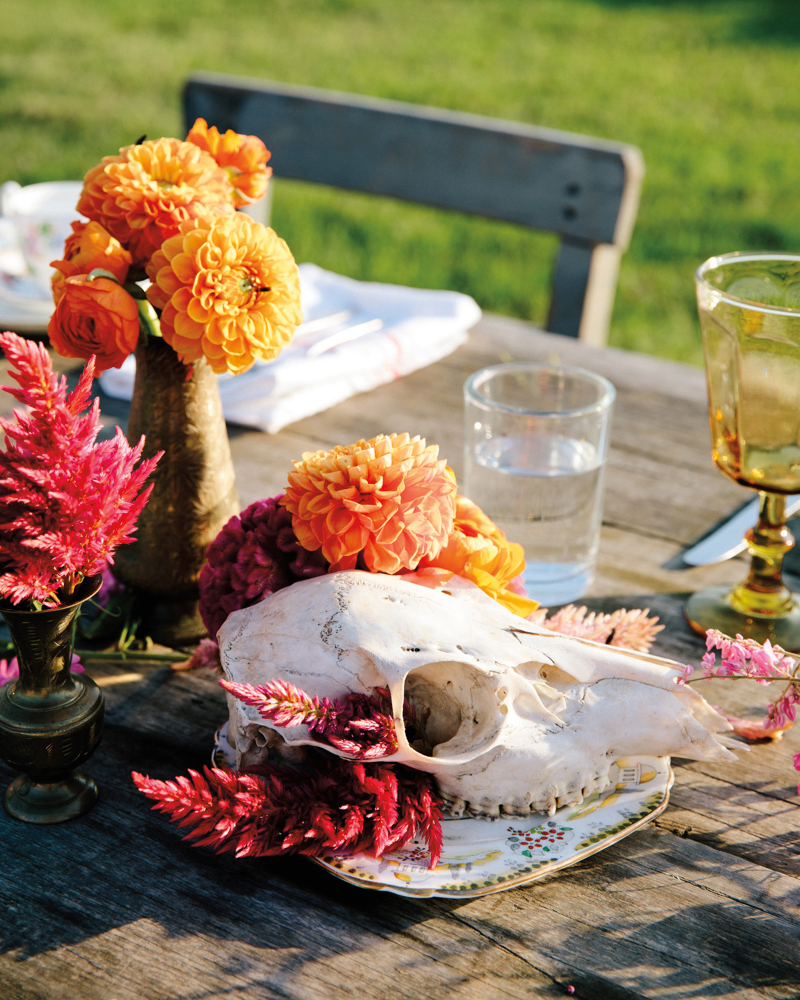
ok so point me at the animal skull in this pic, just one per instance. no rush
(521, 718)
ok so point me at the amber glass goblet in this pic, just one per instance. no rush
(749, 306)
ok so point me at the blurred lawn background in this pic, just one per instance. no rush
(707, 89)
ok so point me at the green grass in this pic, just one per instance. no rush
(707, 89)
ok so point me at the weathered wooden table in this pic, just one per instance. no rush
(703, 903)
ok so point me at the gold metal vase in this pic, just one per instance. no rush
(51, 720)
(178, 409)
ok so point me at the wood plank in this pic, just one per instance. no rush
(745, 822)
(630, 567)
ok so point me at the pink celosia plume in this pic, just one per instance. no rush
(628, 629)
(66, 500)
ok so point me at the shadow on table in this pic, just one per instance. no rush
(122, 862)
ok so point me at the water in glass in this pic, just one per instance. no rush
(544, 492)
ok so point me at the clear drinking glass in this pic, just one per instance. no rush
(749, 305)
(535, 446)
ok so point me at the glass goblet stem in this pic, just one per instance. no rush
(764, 592)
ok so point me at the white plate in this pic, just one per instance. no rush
(481, 856)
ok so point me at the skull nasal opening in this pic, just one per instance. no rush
(455, 708)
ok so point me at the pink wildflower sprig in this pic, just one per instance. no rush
(66, 500)
(342, 806)
(358, 724)
(627, 629)
(746, 658)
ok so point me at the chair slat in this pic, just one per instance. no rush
(577, 187)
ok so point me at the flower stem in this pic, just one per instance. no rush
(124, 655)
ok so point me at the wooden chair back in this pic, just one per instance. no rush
(585, 190)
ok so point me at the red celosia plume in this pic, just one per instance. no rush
(66, 500)
(341, 806)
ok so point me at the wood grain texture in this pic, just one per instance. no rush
(702, 904)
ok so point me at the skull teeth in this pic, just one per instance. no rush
(456, 807)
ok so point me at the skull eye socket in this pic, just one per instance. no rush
(456, 705)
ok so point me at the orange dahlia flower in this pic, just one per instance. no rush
(479, 551)
(243, 156)
(90, 246)
(387, 499)
(229, 290)
(143, 195)
(94, 316)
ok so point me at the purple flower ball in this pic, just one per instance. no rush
(254, 555)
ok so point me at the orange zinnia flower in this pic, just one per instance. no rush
(388, 499)
(90, 246)
(243, 156)
(94, 316)
(229, 291)
(143, 195)
(479, 551)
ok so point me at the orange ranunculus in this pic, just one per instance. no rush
(90, 246)
(143, 195)
(387, 499)
(229, 291)
(95, 316)
(479, 551)
(243, 156)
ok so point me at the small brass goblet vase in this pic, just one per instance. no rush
(51, 720)
(749, 306)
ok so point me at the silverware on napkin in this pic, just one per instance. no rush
(726, 539)
(344, 336)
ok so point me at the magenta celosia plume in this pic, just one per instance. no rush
(361, 725)
(66, 500)
(254, 555)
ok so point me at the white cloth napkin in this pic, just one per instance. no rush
(356, 336)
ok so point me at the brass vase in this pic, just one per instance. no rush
(178, 409)
(51, 720)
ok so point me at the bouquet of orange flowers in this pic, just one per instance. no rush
(223, 287)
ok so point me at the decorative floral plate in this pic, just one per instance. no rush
(480, 856)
